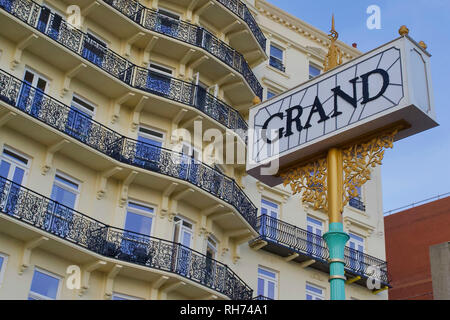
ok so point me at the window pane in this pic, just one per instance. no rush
(18, 175)
(1, 263)
(270, 204)
(63, 196)
(276, 52)
(118, 298)
(270, 94)
(4, 169)
(260, 287)
(44, 284)
(186, 239)
(139, 207)
(15, 156)
(271, 290)
(138, 223)
(266, 273)
(66, 182)
(150, 141)
(313, 72)
(313, 289)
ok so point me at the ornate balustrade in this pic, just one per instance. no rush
(76, 124)
(309, 244)
(122, 69)
(241, 10)
(48, 215)
(188, 33)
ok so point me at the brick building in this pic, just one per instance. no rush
(409, 235)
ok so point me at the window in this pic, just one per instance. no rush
(314, 293)
(267, 283)
(65, 190)
(314, 236)
(95, 49)
(32, 92)
(13, 166)
(79, 123)
(356, 252)
(120, 296)
(160, 69)
(313, 71)
(183, 235)
(270, 94)
(269, 216)
(139, 218)
(50, 21)
(169, 14)
(183, 232)
(357, 201)
(211, 248)
(276, 58)
(65, 194)
(150, 136)
(3, 260)
(44, 286)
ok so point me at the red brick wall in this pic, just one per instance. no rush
(409, 234)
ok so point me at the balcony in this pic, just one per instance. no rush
(287, 240)
(277, 64)
(77, 125)
(70, 225)
(125, 71)
(189, 33)
(357, 203)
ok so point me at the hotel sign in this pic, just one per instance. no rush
(389, 85)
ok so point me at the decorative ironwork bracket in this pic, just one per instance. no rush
(358, 159)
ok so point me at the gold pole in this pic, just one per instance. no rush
(335, 184)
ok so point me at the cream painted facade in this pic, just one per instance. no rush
(211, 71)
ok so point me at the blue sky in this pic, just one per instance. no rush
(418, 167)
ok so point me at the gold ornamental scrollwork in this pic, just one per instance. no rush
(357, 161)
(311, 179)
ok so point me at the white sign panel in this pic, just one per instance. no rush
(388, 85)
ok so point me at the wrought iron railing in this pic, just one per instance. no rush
(48, 215)
(357, 203)
(260, 297)
(307, 243)
(122, 69)
(189, 33)
(76, 124)
(241, 10)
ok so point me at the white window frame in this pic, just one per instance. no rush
(161, 71)
(150, 136)
(283, 53)
(68, 188)
(15, 163)
(266, 279)
(363, 243)
(124, 296)
(141, 212)
(3, 267)
(314, 225)
(36, 75)
(310, 64)
(213, 244)
(181, 221)
(170, 11)
(314, 294)
(39, 296)
(269, 208)
(91, 112)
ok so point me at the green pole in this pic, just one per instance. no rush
(336, 239)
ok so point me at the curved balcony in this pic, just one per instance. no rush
(284, 239)
(241, 10)
(50, 216)
(125, 71)
(77, 125)
(189, 33)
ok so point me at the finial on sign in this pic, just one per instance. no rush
(423, 45)
(403, 31)
(256, 100)
(334, 56)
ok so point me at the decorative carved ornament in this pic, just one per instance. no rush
(358, 160)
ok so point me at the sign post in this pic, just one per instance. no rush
(324, 137)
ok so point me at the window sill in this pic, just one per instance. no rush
(284, 74)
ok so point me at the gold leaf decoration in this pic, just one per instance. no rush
(359, 159)
(311, 179)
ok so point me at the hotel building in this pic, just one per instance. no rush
(112, 184)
